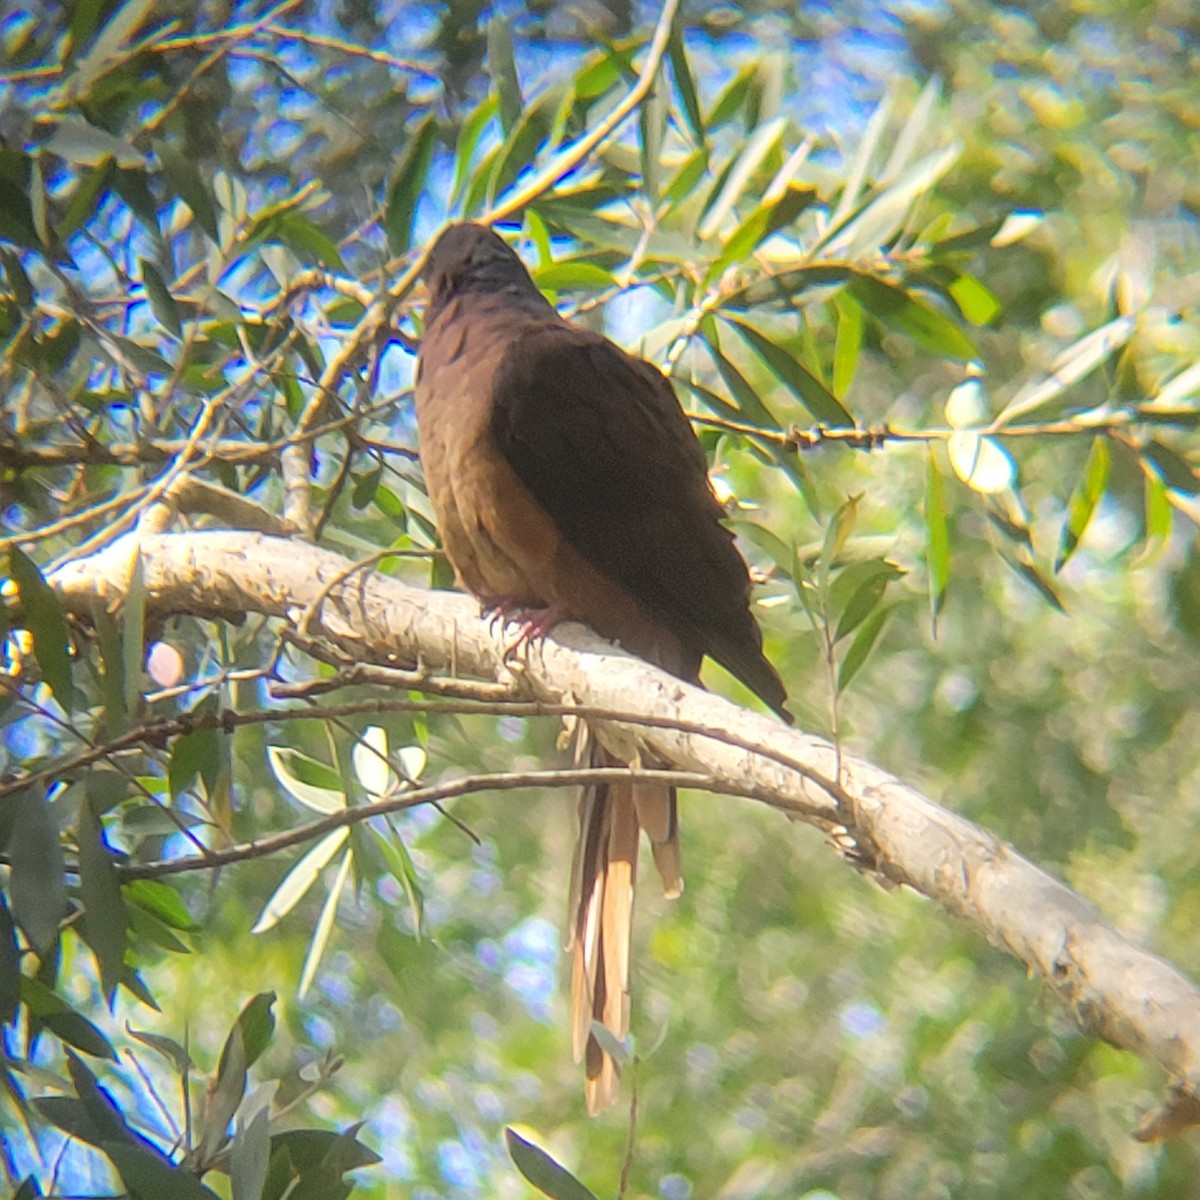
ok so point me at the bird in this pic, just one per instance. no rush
(568, 484)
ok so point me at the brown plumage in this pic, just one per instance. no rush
(565, 476)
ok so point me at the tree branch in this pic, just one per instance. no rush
(1113, 989)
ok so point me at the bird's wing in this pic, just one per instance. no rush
(600, 441)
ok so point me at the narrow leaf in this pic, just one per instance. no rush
(913, 131)
(937, 537)
(1072, 365)
(42, 615)
(133, 635)
(1084, 499)
(10, 965)
(106, 50)
(502, 70)
(36, 887)
(549, 1177)
(761, 143)
(861, 647)
(408, 184)
(104, 906)
(873, 579)
(750, 407)
(404, 871)
(848, 342)
(685, 85)
(183, 177)
(975, 301)
(469, 136)
(806, 387)
(323, 799)
(161, 301)
(1174, 470)
(165, 1046)
(299, 879)
(896, 308)
(369, 757)
(195, 753)
(162, 901)
(324, 927)
(56, 1015)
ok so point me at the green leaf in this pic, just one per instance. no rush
(548, 1176)
(469, 134)
(249, 1037)
(1174, 470)
(161, 300)
(18, 280)
(408, 184)
(404, 871)
(167, 1047)
(112, 679)
(56, 1015)
(876, 223)
(36, 887)
(721, 204)
(652, 127)
(104, 907)
(735, 96)
(133, 635)
(324, 926)
(183, 178)
(502, 70)
(76, 140)
(926, 326)
(109, 48)
(42, 615)
(308, 241)
(256, 1027)
(313, 1149)
(861, 647)
(573, 275)
(750, 408)
(145, 928)
(161, 901)
(1157, 518)
(128, 353)
(10, 965)
(975, 301)
(1029, 571)
(1069, 367)
(250, 1156)
(805, 386)
(296, 883)
(783, 287)
(848, 342)
(307, 780)
(146, 1172)
(856, 592)
(937, 537)
(837, 532)
(685, 85)
(1084, 499)
(81, 207)
(195, 753)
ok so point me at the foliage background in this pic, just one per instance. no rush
(196, 207)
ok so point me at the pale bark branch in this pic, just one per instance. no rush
(1114, 989)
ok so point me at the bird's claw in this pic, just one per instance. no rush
(532, 623)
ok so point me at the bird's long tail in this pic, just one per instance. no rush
(601, 919)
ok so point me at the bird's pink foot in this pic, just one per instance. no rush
(532, 623)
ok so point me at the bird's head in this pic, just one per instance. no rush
(471, 258)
